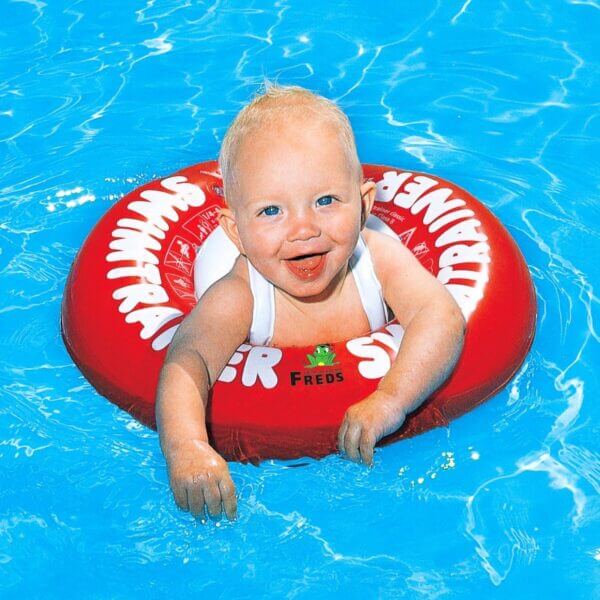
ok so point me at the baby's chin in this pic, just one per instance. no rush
(305, 292)
(315, 291)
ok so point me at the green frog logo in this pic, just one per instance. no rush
(321, 357)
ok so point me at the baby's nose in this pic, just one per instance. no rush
(303, 227)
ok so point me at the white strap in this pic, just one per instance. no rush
(368, 285)
(263, 313)
(369, 290)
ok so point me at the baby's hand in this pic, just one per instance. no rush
(366, 422)
(200, 477)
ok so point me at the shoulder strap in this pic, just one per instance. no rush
(368, 285)
(263, 313)
(369, 289)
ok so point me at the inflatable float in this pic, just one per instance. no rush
(133, 281)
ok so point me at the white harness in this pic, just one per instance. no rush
(216, 256)
(369, 289)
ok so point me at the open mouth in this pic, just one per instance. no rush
(306, 266)
(306, 256)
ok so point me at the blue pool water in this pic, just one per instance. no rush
(501, 98)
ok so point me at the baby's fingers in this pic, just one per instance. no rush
(195, 496)
(180, 495)
(342, 436)
(212, 496)
(367, 443)
(352, 441)
(228, 497)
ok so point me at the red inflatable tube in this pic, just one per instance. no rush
(132, 284)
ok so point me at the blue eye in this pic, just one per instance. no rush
(270, 211)
(328, 200)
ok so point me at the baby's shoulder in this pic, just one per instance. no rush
(373, 238)
(388, 253)
(220, 321)
(232, 290)
(381, 246)
(239, 271)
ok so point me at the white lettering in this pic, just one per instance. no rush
(152, 318)
(380, 361)
(189, 193)
(465, 231)
(450, 218)
(229, 373)
(259, 364)
(461, 253)
(132, 295)
(440, 211)
(142, 226)
(144, 271)
(164, 339)
(392, 339)
(137, 240)
(448, 273)
(161, 206)
(437, 204)
(413, 190)
(466, 296)
(157, 208)
(131, 245)
(387, 188)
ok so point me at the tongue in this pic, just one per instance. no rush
(307, 268)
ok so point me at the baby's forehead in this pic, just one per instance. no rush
(302, 139)
(301, 118)
(275, 137)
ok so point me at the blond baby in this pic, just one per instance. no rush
(296, 210)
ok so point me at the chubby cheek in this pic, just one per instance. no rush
(261, 246)
(344, 235)
(344, 225)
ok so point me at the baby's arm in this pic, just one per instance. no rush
(433, 336)
(204, 342)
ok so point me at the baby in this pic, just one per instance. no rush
(296, 210)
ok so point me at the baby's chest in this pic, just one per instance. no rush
(347, 319)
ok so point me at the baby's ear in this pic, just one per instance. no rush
(367, 197)
(226, 218)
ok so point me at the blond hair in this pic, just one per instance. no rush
(273, 102)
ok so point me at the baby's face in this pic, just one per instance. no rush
(296, 209)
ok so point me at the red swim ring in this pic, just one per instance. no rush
(132, 283)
